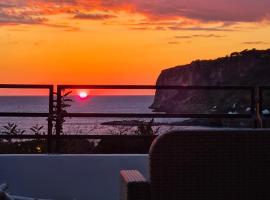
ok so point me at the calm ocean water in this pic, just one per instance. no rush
(97, 104)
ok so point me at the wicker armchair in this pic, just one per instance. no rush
(204, 165)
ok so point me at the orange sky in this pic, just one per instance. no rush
(114, 42)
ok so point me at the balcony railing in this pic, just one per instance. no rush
(255, 114)
(48, 114)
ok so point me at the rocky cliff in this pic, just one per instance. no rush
(249, 67)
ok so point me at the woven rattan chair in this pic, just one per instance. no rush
(204, 165)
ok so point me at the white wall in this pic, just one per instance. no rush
(64, 177)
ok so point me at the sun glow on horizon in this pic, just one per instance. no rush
(83, 94)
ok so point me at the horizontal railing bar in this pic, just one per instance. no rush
(21, 114)
(26, 86)
(62, 87)
(227, 131)
(74, 136)
(200, 131)
(23, 136)
(156, 115)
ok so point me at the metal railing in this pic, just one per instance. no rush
(261, 100)
(48, 114)
(252, 90)
(256, 101)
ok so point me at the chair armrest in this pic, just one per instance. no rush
(134, 186)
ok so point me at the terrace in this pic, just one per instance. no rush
(54, 175)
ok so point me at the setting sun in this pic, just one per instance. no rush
(83, 94)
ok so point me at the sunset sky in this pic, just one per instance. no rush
(121, 42)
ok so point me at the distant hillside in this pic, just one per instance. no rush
(249, 67)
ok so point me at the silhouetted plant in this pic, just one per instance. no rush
(120, 130)
(12, 129)
(146, 128)
(37, 130)
(59, 112)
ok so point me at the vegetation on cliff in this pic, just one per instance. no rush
(246, 68)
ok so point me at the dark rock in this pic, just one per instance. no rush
(246, 68)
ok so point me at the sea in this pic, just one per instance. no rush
(91, 104)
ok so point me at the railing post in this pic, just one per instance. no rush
(58, 114)
(50, 121)
(260, 105)
(48, 115)
(58, 111)
(256, 107)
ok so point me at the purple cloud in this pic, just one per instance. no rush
(226, 11)
(93, 16)
(207, 10)
(14, 19)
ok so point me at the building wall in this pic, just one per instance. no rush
(64, 177)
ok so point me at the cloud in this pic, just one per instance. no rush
(207, 10)
(182, 25)
(140, 28)
(255, 43)
(14, 19)
(202, 12)
(199, 36)
(14, 12)
(183, 37)
(5, 5)
(173, 42)
(175, 39)
(93, 16)
(12, 3)
(200, 28)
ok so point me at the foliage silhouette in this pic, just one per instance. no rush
(146, 129)
(59, 112)
(37, 129)
(12, 129)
